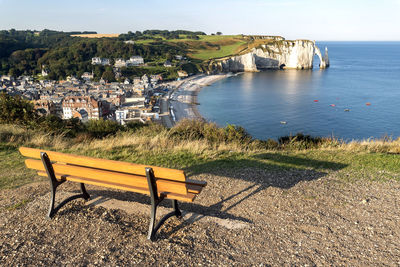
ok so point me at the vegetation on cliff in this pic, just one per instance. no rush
(62, 55)
(27, 52)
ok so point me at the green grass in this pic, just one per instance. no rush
(18, 205)
(152, 145)
(223, 51)
(13, 172)
(347, 166)
(205, 38)
(208, 46)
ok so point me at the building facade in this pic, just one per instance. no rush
(93, 107)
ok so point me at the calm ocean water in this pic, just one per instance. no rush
(360, 73)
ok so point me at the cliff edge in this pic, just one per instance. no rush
(269, 53)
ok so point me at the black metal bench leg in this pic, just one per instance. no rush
(152, 228)
(52, 199)
(155, 201)
(177, 212)
(85, 194)
(152, 231)
(54, 183)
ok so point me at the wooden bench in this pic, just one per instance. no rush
(159, 183)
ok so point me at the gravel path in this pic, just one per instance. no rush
(290, 218)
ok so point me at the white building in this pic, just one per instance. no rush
(87, 76)
(100, 61)
(71, 104)
(121, 115)
(119, 62)
(132, 62)
(45, 72)
(135, 61)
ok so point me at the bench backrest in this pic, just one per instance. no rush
(123, 175)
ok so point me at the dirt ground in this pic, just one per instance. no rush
(301, 218)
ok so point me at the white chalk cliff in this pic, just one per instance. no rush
(282, 54)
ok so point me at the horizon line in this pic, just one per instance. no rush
(332, 40)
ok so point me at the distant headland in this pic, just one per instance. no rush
(171, 54)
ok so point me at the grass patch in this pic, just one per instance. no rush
(13, 172)
(207, 46)
(221, 51)
(201, 148)
(18, 205)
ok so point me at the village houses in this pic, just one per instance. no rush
(93, 107)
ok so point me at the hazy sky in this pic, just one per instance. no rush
(301, 19)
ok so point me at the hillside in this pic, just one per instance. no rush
(208, 47)
(64, 54)
(329, 204)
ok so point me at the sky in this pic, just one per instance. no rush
(320, 20)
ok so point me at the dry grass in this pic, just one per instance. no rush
(159, 140)
(159, 143)
(15, 135)
(385, 145)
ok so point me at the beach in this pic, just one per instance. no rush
(183, 101)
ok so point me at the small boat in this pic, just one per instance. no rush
(332, 105)
(347, 109)
(283, 122)
(315, 100)
(368, 104)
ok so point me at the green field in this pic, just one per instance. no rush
(223, 51)
(208, 46)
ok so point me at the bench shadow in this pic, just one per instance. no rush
(262, 171)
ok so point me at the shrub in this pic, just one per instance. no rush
(301, 141)
(16, 110)
(102, 128)
(199, 129)
(195, 130)
(135, 125)
(235, 133)
(51, 123)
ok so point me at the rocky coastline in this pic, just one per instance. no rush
(283, 54)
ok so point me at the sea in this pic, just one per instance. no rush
(356, 98)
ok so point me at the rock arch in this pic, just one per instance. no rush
(324, 61)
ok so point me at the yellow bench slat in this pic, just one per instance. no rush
(110, 177)
(111, 165)
(195, 189)
(188, 197)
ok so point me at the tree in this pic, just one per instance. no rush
(219, 33)
(109, 76)
(16, 110)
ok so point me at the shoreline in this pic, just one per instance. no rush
(184, 99)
